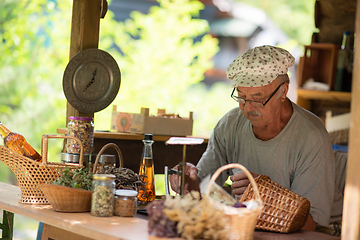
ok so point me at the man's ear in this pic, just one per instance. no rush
(285, 90)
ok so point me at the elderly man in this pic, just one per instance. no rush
(271, 135)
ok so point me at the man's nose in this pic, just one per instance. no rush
(248, 107)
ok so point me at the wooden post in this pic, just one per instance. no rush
(85, 26)
(351, 210)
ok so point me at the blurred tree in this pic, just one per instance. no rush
(34, 43)
(158, 56)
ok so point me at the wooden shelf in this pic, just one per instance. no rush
(305, 96)
(131, 148)
(127, 136)
(323, 95)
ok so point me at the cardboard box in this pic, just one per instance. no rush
(338, 122)
(162, 124)
(338, 127)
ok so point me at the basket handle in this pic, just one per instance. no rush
(101, 152)
(234, 165)
(44, 146)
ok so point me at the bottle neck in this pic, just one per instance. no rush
(4, 132)
(147, 151)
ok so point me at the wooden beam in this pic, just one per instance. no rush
(351, 210)
(85, 27)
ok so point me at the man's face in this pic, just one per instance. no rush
(260, 116)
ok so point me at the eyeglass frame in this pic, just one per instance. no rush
(250, 101)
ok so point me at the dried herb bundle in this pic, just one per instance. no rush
(126, 178)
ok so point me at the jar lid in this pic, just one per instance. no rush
(126, 192)
(81, 118)
(104, 159)
(73, 158)
(100, 176)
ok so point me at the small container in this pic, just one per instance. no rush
(75, 158)
(103, 196)
(83, 129)
(105, 160)
(125, 202)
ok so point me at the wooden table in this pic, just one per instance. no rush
(81, 226)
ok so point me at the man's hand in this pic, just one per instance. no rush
(240, 183)
(191, 181)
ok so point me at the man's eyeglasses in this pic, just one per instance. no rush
(256, 104)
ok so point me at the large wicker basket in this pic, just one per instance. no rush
(284, 210)
(30, 173)
(241, 221)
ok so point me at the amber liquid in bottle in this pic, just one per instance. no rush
(17, 143)
(147, 168)
(147, 193)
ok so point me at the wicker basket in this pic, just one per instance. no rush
(241, 221)
(30, 173)
(284, 210)
(67, 199)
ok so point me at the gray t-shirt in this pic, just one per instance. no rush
(300, 158)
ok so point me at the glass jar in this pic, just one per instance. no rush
(75, 158)
(103, 195)
(125, 202)
(83, 129)
(104, 160)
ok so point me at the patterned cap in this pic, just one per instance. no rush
(259, 66)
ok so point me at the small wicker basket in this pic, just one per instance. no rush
(30, 173)
(284, 210)
(241, 221)
(67, 199)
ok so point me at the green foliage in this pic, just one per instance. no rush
(159, 60)
(79, 178)
(34, 43)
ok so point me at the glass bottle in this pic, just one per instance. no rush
(18, 143)
(103, 195)
(147, 193)
(83, 129)
(343, 60)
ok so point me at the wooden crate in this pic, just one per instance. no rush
(319, 62)
(162, 124)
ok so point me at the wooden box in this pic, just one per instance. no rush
(319, 63)
(162, 124)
